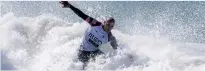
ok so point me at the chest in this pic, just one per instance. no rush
(96, 35)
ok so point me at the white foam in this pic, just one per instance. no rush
(47, 43)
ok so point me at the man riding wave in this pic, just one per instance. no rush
(99, 33)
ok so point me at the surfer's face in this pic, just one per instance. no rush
(109, 25)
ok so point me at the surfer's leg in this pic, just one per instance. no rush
(83, 56)
(96, 53)
(84, 65)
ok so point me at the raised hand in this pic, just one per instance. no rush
(65, 4)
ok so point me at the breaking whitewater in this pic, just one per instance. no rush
(47, 42)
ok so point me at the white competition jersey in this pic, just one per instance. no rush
(94, 37)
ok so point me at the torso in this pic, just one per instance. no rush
(94, 37)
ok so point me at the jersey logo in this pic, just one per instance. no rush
(94, 40)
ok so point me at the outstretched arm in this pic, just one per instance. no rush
(90, 20)
(112, 40)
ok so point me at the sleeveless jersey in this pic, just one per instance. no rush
(94, 37)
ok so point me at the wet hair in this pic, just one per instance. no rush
(111, 19)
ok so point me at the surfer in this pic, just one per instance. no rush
(99, 33)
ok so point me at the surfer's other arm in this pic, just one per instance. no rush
(113, 41)
(90, 20)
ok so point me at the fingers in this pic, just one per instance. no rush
(61, 2)
(65, 4)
